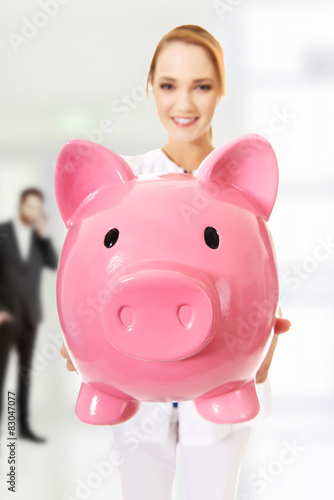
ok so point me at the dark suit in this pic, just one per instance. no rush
(19, 295)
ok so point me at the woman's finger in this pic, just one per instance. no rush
(282, 325)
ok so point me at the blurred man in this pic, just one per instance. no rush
(24, 249)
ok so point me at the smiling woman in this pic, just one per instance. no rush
(187, 76)
(188, 80)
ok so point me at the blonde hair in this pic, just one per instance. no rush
(191, 33)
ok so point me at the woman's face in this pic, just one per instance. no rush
(186, 90)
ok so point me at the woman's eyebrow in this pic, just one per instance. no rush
(167, 78)
(203, 80)
(198, 80)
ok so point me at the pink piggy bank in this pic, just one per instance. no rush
(167, 284)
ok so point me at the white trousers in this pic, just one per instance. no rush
(211, 454)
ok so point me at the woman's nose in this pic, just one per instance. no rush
(185, 102)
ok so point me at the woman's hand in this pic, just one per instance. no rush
(69, 364)
(262, 373)
(281, 326)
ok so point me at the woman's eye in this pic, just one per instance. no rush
(111, 237)
(211, 237)
(166, 86)
(204, 87)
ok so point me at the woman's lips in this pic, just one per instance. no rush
(184, 121)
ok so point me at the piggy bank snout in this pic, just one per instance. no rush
(159, 315)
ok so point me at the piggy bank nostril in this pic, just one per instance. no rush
(127, 316)
(185, 314)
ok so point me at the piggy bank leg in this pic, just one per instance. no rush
(232, 407)
(98, 408)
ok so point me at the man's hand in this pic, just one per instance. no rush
(69, 364)
(41, 225)
(5, 316)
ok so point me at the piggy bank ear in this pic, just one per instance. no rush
(247, 163)
(82, 168)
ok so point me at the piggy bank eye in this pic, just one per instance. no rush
(211, 237)
(111, 237)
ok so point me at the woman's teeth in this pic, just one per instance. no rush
(184, 121)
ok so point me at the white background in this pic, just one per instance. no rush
(70, 75)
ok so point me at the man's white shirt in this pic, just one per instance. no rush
(23, 235)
